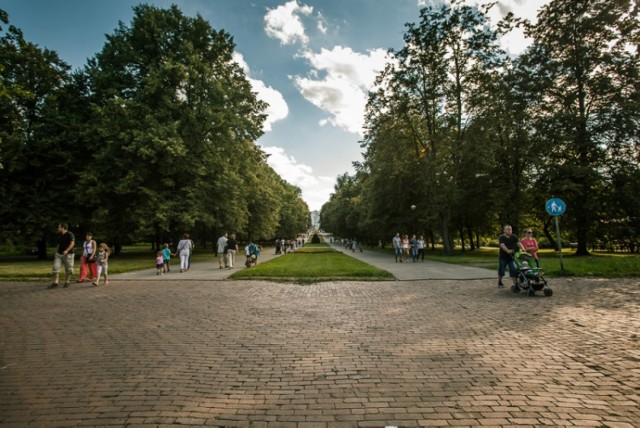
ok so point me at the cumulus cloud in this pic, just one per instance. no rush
(343, 89)
(315, 189)
(278, 108)
(284, 23)
(515, 42)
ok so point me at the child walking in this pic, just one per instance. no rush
(102, 259)
(159, 263)
(166, 257)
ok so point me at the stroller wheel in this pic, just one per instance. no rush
(532, 292)
(515, 289)
(548, 292)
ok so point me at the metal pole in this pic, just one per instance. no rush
(559, 243)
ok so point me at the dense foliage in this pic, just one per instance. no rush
(153, 137)
(462, 138)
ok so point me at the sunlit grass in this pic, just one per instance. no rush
(601, 265)
(132, 258)
(313, 263)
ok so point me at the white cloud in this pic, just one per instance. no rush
(278, 108)
(284, 23)
(343, 91)
(322, 24)
(514, 42)
(315, 189)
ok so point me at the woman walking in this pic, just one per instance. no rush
(184, 250)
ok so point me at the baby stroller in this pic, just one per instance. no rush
(529, 279)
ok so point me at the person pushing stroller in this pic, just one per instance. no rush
(509, 245)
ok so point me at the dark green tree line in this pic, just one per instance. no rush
(474, 138)
(153, 137)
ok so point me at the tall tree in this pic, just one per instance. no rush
(36, 163)
(586, 57)
(174, 114)
(446, 60)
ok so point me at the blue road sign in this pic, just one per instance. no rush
(556, 207)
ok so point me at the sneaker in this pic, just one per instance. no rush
(66, 284)
(500, 284)
(54, 285)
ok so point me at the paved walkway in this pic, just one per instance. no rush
(199, 271)
(423, 270)
(169, 351)
(419, 270)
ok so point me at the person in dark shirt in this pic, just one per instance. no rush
(509, 244)
(64, 255)
(232, 249)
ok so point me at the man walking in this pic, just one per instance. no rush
(509, 244)
(222, 255)
(64, 255)
(232, 249)
(397, 245)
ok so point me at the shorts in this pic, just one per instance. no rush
(398, 250)
(159, 266)
(503, 263)
(60, 260)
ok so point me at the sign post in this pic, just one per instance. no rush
(556, 207)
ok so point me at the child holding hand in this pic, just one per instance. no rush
(159, 263)
(102, 259)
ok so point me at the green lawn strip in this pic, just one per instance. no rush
(28, 268)
(600, 265)
(309, 267)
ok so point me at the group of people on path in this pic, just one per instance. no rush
(227, 249)
(404, 247)
(509, 244)
(94, 259)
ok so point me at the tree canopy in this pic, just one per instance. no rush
(462, 138)
(154, 136)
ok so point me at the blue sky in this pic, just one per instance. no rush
(311, 60)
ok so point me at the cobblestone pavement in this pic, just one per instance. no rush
(258, 354)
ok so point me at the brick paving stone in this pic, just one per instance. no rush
(342, 354)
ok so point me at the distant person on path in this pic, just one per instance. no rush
(87, 259)
(413, 243)
(102, 260)
(252, 252)
(159, 263)
(405, 248)
(193, 245)
(397, 246)
(64, 255)
(530, 245)
(166, 258)
(222, 250)
(421, 247)
(509, 244)
(232, 249)
(184, 250)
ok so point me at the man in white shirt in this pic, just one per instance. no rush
(222, 256)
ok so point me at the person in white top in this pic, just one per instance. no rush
(184, 250)
(222, 255)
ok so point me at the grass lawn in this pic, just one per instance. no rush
(132, 258)
(314, 263)
(601, 265)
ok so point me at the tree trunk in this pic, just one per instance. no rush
(548, 234)
(447, 250)
(42, 247)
